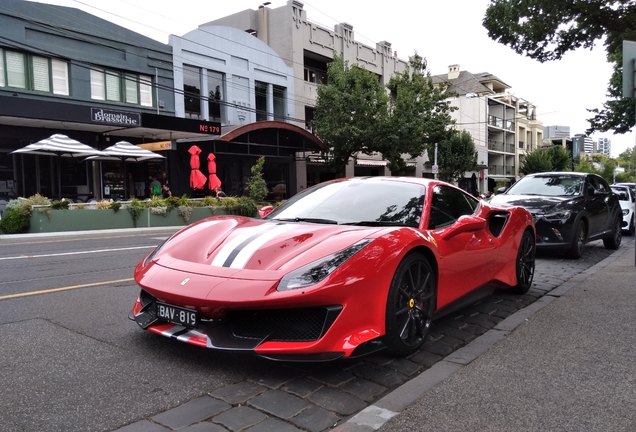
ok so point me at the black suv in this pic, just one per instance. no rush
(569, 209)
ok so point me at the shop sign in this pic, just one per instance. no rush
(155, 146)
(100, 115)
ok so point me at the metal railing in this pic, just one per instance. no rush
(501, 146)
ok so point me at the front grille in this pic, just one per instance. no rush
(283, 325)
(146, 298)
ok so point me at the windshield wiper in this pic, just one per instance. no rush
(376, 223)
(312, 220)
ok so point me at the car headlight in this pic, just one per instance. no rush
(625, 212)
(558, 216)
(316, 271)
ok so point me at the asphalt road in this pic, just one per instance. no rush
(70, 360)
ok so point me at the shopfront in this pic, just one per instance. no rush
(237, 150)
(25, 121)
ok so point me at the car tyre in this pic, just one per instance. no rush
(410, 305)
(525, 263)
(578, 240)
(614, 240)
(632, 228)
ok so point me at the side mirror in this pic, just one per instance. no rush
(264, 211)
(464, 224)
(502, 190)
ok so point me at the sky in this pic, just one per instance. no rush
(444, 32)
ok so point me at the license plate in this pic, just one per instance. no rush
(177, 315)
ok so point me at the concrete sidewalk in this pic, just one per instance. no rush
(567, 362)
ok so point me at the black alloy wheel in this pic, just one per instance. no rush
(614, 240)
(410, 305)
(525, 264)
(578, 240)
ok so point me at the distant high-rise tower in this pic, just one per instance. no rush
(556, 132)
(583, 143)
(604, 146)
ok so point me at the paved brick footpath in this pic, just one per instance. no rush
(316, 397)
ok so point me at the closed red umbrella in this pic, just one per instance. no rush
(213, 181)
(197, 179)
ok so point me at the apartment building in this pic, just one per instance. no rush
(604, 146)
(307, 48)
(504, 127)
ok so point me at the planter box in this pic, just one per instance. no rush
(85, 220)
(79, 220)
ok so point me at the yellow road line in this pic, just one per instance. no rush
(52, 290)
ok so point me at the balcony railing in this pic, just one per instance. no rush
(495, 121)
(501, 146)
(500, 170)
(498, 122)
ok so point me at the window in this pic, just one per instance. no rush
(260, 89)
(116, 86)
(215, 95)
(192, 91)
(31, 72)
(315, 76)
(279, 102)
(447, 205)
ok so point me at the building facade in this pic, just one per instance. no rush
(503, 127)
(228, 75)
(604, 146)
(307, 48)
(557, 132)
(63, 71)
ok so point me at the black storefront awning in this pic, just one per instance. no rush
(124, 123)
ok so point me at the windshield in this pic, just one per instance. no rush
(356, 202)
(631, 186)
(553, 185)
(622, 193)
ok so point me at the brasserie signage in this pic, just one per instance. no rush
(100, 115)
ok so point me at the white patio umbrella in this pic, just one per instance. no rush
(126, 152)
(61, 146)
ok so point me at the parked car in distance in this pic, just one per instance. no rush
(569, 210)
(341, 269)
(626, 195)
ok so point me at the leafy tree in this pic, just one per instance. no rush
(543, 159)
(586, 165)
(456, 155)
(560, 157)
(418, 116)
(546, 29)
(535, 161)
(256, 184)
(626, 161)
(349, 112)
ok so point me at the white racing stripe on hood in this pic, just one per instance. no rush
(248, 250)
(245, 234)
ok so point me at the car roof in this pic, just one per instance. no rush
(418, 180)
(560, 173)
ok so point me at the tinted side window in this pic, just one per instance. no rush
(447, 205)
(597, 183)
